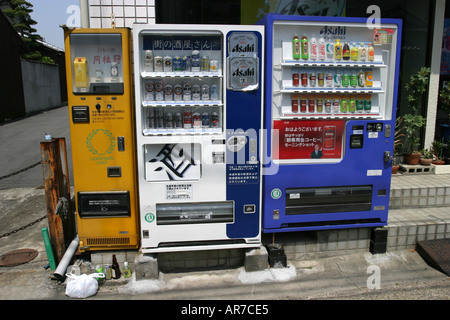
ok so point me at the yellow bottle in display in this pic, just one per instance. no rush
(338, 50)
(80, 69)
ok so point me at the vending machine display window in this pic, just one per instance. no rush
(97, 62)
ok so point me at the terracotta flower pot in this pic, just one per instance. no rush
(438, 162)
(425, 162)
(413, 158)
(395, 168)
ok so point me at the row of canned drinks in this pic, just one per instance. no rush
(332, 104)
(193, 63)
(329, 78)
(159, 119)
(158, 91)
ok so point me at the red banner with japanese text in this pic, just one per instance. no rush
(309, 139)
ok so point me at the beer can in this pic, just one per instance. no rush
(158, 64)
(205, 92)
(176, 63)
(294, 105)
(187, 91)
(214, 65)
(214, 120)
(205, 63)
(329, 135)
(214, 92)
(205, 120)
(159, 94)
(168, 93)
(169, 120)
(159, 118)
(187, 119)
(195, 61)
(149, 90)
(196, 120)
(178, 120)
(186, 63)
(148, 61)
(196, 92)
(151, 119)
(168, 64)
(177, 92)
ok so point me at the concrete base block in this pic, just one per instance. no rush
(146, 267)
(256, 259)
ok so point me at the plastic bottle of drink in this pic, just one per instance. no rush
(329, 79)
(313, 52)
(368, 104)
(304, 48)
(344, 104)
(354, 52)
(296, 47)
(371, 52)
(352, 104)
(338, 50)
(126, 270)
(354, 79)
(362, 52)
(361, 78)
(345, 79)
(330, 51)
(337, 79)
(322, 49)
(321, 78)
(346, 52)
(312, 78)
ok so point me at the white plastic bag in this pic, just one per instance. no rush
(82, 286)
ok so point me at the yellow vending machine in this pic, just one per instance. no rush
(103, 145)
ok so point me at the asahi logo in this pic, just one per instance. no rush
(333, 31)
(243, 48)
(242, 72)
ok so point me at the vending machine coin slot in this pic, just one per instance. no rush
(356, 141)
(121, 144)
(80, 114)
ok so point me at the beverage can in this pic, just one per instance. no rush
(186, 63)
(214, 120)
(312, 79)
(169, 120)
(329, 80)
(167, 64)
(311, 104)
(149, 90)
(196, 120)
(303, 104)
(176, 63)
(151, 124)
(205, 63)
(196, 92)
(320, 78)
(187, 119)
(187, 91)
(159, 94)
(168, 92)
(148, 60)
(368, 78)
(214, 65)
(205, 120)
(195, 61)
(158, 64)
(177, 92)
(294, 103)
(329, 136)
(328, 104)
(205, 92)
(304, 77)
(295, 77)
(336, 104)
(214, 92)
(178, 120)
(159, 118)
(319, 104)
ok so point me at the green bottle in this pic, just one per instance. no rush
(352, 105)
(344, 104)
(296, 47)
(345, 79)
(126, 270)
(305, 48)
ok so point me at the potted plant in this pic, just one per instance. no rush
(437, 149)
(412, 125)
(398, 143)
(426, 158)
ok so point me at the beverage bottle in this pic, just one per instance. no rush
(345, 79)
(371, 52)
(359, 104)
(328, 104)
(312, 78)
(346, 52)
(320, 104)
(338, 50)
(115, 269)
(320, 78)
(329, 80)
(354, 79)
(369, 78)
(322, 49)
(362, 52)
(361, 79)
(295, 77)
(336, 104)
(304, 48)
(344, 104)
(126, 270)
(337, 79)
(304, 78)
(354, 52)
(352, 104)
(295, 47)
(329, 51)
(368, 104)
(313, 48)
(303, 104)
(311, 104)
(107, 271)
(294, 106)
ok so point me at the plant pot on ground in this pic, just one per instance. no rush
(412, 125)
(427, 157)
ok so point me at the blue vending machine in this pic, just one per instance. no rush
(330, 108)
(199, 99)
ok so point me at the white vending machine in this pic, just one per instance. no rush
(199, 97)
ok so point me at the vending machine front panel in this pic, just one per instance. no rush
(330, 101)
(198, 117)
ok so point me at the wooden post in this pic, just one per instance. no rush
(56, 184)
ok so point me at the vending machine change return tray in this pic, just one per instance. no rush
(328, 199)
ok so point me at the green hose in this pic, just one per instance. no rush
(48, 248)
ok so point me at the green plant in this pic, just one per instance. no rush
(417, 87)
(412, 125)
(399, 136)
(437, 148)
(427, 154)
